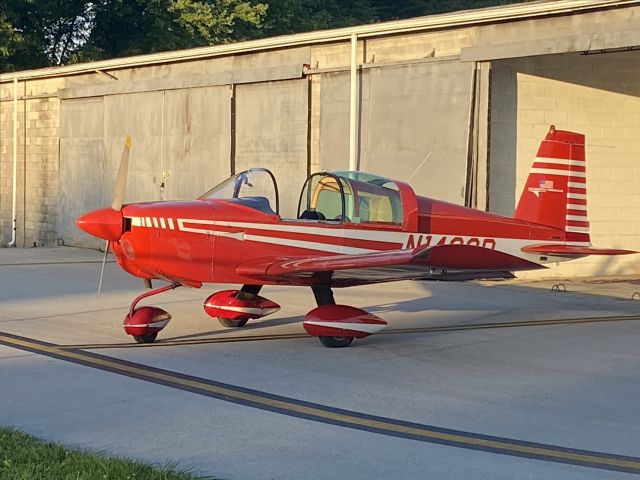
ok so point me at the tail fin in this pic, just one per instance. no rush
(555, 194)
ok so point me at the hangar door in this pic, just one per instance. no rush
(407, 113)
(81, 166)
(180, 149)
(271, 132)
(196, 142)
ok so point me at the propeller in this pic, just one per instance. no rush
(118, 196)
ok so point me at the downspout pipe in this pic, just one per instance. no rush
(15, 163)
(353, 104)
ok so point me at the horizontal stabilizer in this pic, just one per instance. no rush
(573, 250)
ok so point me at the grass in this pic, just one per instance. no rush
(23, 457)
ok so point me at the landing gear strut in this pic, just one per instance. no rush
(324, 296)
(144, 323)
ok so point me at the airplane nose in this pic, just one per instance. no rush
(104, 223)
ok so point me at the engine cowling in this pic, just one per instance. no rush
(341, 321)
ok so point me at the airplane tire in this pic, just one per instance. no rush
(148, 338)
(227, 322)
(335, 342)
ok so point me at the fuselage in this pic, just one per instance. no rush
(205, 241)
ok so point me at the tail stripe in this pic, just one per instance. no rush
(577, 185)
(577, 229)
(560, 161)
(573, 206)
(563, 173)
(578, 196)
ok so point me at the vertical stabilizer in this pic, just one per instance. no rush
(556, 191)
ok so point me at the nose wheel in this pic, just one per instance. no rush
(144, 323)
(148, 338)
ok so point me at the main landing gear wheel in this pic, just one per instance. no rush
(248, 293)
(324, 296)
(337, 325)
(335, 342)
(231, 323)
(148, 338)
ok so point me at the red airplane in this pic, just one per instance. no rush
(352, 228)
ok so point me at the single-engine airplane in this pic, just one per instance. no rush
(352, 228)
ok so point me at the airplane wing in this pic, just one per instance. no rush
(375, 267)
(279, 266)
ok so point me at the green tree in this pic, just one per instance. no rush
(144, 26)
(47, 31)
(40, 33)
(399, 9)
(10, 40)
(294, 16)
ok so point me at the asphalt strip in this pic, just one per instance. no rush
(328, 415)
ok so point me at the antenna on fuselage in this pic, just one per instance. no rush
(420, 166)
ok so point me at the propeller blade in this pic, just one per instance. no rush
(104, 261)
(147, 283)
(118, 197)
(121, 179)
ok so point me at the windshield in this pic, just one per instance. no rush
(255, 188)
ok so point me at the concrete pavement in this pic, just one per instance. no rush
(569, 385)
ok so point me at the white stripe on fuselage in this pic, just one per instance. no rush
(394, 240)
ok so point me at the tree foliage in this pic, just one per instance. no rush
(143, 26)
(39, 33)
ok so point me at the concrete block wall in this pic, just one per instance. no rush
(37, 166)
(598, 95)
(42, 161)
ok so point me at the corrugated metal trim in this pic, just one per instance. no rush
(367, 66)
(563, 44)
(229, 77)
(435, 22)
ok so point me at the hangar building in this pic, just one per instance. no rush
(457, 102)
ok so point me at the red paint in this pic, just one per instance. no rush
(341, 314)
(225, 304)
(145, 321)
(105, 223)
(546, 193)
